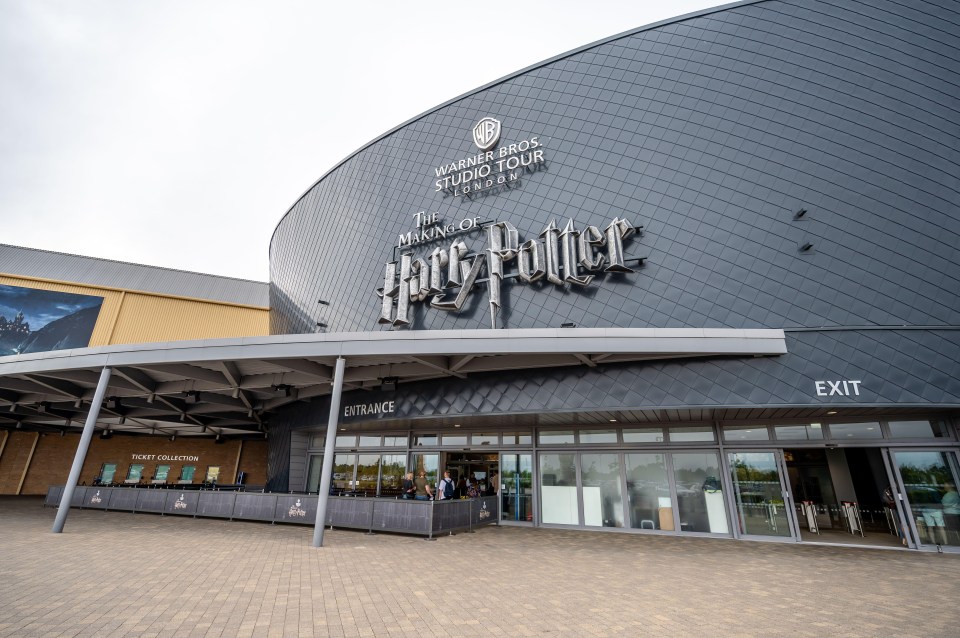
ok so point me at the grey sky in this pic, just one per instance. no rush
(177, 133)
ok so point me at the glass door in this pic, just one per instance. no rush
(761, 497)
(516, 488)
(929, 479)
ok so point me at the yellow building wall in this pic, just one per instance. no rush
(129, 316)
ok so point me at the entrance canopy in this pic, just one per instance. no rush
(228, 387)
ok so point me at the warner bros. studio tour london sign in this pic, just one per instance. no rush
(444, 276)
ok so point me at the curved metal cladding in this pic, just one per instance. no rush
(710, 132)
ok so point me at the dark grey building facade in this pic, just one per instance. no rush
(784, 165)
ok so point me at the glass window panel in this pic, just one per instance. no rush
(368, 473)
(516, 487)
(598, 436)
(429, 464)
(809, 432)
(699, 492)
(556, 436)
(689, 435)
(870, 430)
(343, 469)
(746, 433)
(369, 441)
(107, 472)
(485, 439)
(602, 499)
(759, 495)
(392, 469)
(314, 468)
(558, 489)
(455, 439)
(426, 439)
(930, 480)
(394, 441)
(648, 492)
(643, 435)
(317, 440)
(917, 429)
(161, 473)
(517, 438)
(135, 473)
(346, 440)
(186, 473)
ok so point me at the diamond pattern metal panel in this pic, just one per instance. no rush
(712, 132)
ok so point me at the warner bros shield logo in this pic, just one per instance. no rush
(486, 133)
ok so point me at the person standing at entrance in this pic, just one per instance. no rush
(445, 490)
(493, 486)
(409, 488)
(423, 491)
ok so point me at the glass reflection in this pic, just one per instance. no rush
(558, 489)
(930, 480)
(602, 500)
(343, 472)
(392, 468)
(648, 492)
(699, 492)
(516, 487)
(759, 495)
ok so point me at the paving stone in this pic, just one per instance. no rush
(122, 574)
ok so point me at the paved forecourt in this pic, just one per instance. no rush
(121, 574)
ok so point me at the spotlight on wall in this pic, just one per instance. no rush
(114, 403)
(800, 213)
(106, 434)
(806, 247)
(123, 420)
(323, 303)
(193, 397)
(42, 407)
(173, 437)
(320, 324)
(568, 324)
(389, 384)
(219, 440)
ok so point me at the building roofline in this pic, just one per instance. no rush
(130, 263)
(510, 76)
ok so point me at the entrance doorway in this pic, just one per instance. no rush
(844, 496)
(473, 473)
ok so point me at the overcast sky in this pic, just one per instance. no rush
(177, 133)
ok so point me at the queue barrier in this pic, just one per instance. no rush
(421, 518)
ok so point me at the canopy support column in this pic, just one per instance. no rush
(327, 473)
(67, 497)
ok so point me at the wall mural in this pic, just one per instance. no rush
(33, 320)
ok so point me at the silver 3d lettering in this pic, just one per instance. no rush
(447, 276)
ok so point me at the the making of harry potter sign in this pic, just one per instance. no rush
(443, 276)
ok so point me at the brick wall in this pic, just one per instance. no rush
(54, 455)
(16, 453)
